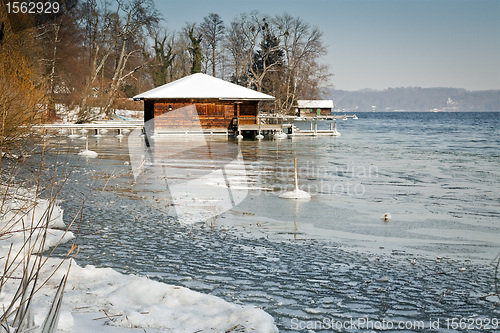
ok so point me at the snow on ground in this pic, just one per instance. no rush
(131, 114)
(101, 299)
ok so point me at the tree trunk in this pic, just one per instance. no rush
(51, 105)
(213, 62)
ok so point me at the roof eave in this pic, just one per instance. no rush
(219, 98)
(245, 99)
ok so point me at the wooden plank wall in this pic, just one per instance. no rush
(212, 113)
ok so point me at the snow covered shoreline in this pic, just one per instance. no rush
(137, 302)
(119, 302)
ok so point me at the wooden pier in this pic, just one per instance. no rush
(286, 124)
(118, 126)
(262, 124)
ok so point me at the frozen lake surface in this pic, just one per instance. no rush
(328, 259)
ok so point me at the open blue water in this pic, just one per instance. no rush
(330, 259)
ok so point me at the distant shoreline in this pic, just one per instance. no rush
(414, 99)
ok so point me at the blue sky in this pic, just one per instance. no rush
(378, 44)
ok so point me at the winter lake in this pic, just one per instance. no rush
(311, 264)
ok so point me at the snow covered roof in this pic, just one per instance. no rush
(203, 86)
(315, 104)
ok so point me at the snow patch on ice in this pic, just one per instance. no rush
(88, 153)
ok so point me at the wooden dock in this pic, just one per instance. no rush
(287, 125)
(133, 124)
(273, 123)
(262, 124)
(97, 127)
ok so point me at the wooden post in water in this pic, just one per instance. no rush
(295, 172)
(296, 193)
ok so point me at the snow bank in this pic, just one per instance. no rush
(22, 210)
(138, 302)
(125, 301)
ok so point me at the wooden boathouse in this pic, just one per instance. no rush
(314, 108)
(203, 104)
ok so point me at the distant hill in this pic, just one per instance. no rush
(415, 99)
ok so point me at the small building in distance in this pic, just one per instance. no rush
(314, 108)
(216, 105)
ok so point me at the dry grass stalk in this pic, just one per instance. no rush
(26, 217)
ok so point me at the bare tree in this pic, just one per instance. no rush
(62, 59)
(113, 31)
(280, 56)
(183, 61)
(132, 20)
(303, 48)
(212, 29)
(164, 56)
(51, 103)
(238, 47)
(254, 27)
(97, 21)
(195, 37)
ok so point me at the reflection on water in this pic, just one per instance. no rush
(201, 179)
